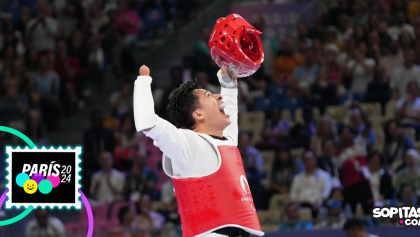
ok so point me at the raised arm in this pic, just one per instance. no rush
(230, 98)
(173, 142)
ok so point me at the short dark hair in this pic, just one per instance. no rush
(373, 153)
(352, 131)
(292, 204)
(182, 102)
(353, 224)
(403, 186)
(122, 212)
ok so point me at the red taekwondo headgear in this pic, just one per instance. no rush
(236, 44)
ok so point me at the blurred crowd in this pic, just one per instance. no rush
(329, 124)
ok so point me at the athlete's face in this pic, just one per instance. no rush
(211, 110)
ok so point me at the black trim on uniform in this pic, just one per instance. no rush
(232, 232)
(218, 138)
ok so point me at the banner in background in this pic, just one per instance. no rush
(283, 19)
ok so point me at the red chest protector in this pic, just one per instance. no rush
(218, 200)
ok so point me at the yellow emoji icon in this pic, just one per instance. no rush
(30, 186)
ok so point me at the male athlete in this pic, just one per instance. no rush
(203, 160)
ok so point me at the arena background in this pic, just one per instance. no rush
(66, 74)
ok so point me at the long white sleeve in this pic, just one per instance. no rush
(230, 98)
(144, 107)
(175, 143)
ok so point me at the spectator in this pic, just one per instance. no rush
(258, 87)
(304, 42)
(356, 123)
(346, 55)
(408, 109)
(97, 19)
(360, 16)
(24, 17)
(335, 217)
(284, 169)
(287, 61)
(337, 194)
(8, 57)
(411, 173)
(96, 62)
(355, 228)
(374, 21)
(301, 134)
(154, 219)
(326, 161)
(122, 101)
(172, 217)
(128, 143)
(380, 179)
(324, 92)
(253, 165)
(351, 158)
(331, 37)
(403, 74)
(202, 80)
(45, 225)
(344, 29)
(110, 37)
(312, 186)
(126, 217)
(251, 157)
(292, 211)
(13, 38)
(306, 74)
(396, 145)
(334, 73)
(78, 49)
(360, 70)
(319, 51)
(127, 20)
(401, 25)
(270, 46)
(70, 19)
(413, 9)
(167, 193)
(41, 31)
(46, 81)
(406, 41)
(407, 195)
(276, 131)
(140, 180)
(204, 61)
(379, 90)
(325, 130)
(69, 71)
(292, 99)
(393, 59)
(107, 183)
(96, 139)
(14, 107)
(359, 34)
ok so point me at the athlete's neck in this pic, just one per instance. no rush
(209, 131)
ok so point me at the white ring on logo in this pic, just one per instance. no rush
(243, 182)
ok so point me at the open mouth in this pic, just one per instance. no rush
(222, 109)
(30, 188)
